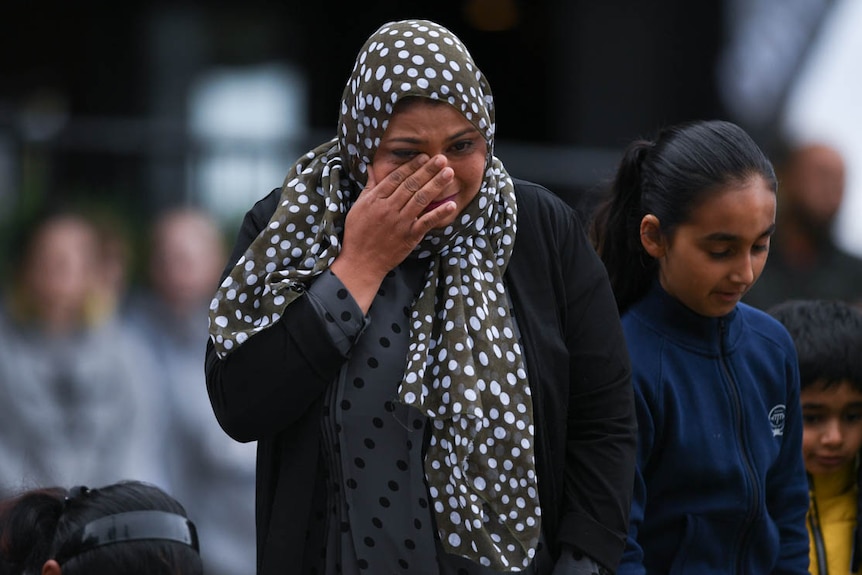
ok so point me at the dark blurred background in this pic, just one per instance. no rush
(135, 106)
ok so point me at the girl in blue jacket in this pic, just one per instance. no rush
(720, 484)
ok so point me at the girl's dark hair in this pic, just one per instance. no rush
(37, 524)
(828, 339)
(668, 177)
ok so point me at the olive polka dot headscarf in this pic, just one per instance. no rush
(464, 368)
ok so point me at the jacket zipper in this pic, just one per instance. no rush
(749, 471)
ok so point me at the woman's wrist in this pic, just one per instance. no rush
(361, 281)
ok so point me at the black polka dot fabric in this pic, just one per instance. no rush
(379, 445)
(465, 369)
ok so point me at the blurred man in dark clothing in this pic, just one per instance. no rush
(804, 262)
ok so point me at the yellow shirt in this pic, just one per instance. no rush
(834, 497)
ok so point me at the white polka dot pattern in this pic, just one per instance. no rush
(464, 368)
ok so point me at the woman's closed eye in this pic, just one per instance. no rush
(405, 154)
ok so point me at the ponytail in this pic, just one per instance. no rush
(616, 230)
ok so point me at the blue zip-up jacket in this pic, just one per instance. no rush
(720, 484)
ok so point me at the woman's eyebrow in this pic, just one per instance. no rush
(415, 140)
(462, 133)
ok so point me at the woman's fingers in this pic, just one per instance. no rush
(440, 216)
(371, 181)
(395, 179)
(430, 192)
(415, 182)
(414, 185)
(391, 216)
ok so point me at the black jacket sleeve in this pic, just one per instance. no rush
(601, 421)
(271, 381)
(580, 374)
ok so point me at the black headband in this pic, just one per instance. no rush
(129, 526)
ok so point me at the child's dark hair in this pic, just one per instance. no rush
(44, 524)
(828, 339)
(669, 178)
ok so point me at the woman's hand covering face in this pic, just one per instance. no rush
(429, 166)
(389, 220)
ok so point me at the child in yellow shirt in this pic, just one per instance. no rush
(828, 339)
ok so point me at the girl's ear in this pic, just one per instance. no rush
(652, 239)
(51, 567)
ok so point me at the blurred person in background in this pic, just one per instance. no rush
(804, 261)
(211, 473)
(71, 407)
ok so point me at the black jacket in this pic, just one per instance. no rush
(270, 390)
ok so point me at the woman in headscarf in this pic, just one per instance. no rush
(427, 351)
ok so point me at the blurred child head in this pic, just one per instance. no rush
(828, 338)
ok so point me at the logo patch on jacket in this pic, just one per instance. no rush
(776, 419)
